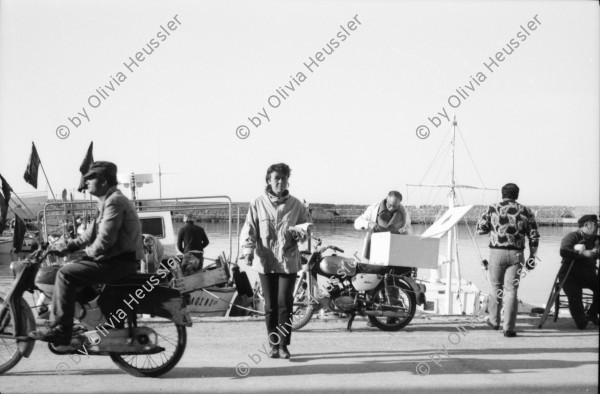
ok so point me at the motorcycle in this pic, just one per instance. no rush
(139, 322)
(344, 285)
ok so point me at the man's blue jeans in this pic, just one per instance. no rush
(505, 270)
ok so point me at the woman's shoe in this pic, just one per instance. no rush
(273, 353)
(284, 352)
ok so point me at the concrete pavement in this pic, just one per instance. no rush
(431, 355)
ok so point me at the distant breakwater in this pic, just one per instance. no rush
(424, 214)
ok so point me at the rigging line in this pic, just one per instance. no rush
(441, 167)
(478, 252)
(435, 157)
(12, 209)
(471, 157)
(23, 203)
(430, 199)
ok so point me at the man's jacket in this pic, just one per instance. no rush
(115, 230)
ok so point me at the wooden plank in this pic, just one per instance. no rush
(201, 280)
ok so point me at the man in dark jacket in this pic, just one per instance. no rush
(192, 239)
(579, 251)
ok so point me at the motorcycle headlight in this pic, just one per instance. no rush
(149, 242)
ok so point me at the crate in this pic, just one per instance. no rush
(210, 276)
(404, 250)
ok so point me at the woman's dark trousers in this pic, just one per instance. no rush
(278, 290)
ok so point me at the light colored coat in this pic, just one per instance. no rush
(266, 232)
(115, 230)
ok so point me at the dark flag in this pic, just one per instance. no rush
(31, 173)
(6, 189)
(19, 234)
(4, 200)
(64, 195)
(3, 213)
(85, 165)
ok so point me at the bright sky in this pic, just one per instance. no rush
(347, 127)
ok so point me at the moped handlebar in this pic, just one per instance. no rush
(40, 254)
(334, 248)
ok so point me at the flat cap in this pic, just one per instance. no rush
(587, 218)
(105, 168)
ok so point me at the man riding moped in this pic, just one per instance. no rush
(114, 247)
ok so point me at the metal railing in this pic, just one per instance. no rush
(57, 215)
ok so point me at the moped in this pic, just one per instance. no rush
(139, 322)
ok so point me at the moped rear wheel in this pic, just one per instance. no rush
(10, 355)
(399, 298)
(303, 307)
(171, 337)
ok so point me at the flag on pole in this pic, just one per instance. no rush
(85, 165)
(4, 200)
(19, 234)
(6, 189)
(3, 213)
(31, 173)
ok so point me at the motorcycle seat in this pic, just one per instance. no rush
(362, 268)
(135, 279)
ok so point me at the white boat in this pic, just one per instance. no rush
(452, 295)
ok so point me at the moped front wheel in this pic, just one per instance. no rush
(171, 337)
(303, 307)
(397, 298)
(10, 353)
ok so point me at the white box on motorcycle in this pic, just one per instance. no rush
(415, 251)
(404, 250)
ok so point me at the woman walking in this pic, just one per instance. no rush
(268, 232)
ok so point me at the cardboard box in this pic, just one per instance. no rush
(404, 250)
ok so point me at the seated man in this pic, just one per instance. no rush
(581, 248)
(114, 246)
(387, 215)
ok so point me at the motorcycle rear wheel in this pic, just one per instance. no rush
(402, 296)
(303, 307)
(171, 336)
(10, 354)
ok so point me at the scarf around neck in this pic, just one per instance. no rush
(275, 199)
(389, 221)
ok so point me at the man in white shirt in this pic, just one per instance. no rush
(387, 215)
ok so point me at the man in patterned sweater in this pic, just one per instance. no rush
(508, 223)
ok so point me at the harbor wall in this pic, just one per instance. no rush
(426, 214)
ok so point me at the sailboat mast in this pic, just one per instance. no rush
(452, 232)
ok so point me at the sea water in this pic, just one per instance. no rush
(534, 287)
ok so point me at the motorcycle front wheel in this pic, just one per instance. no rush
(171, 337)
(10, 354)
(400, 298)
(303, 307)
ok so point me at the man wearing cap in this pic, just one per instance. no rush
(508, 224)
(114, 246)
(581, 248)
(192, 239)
